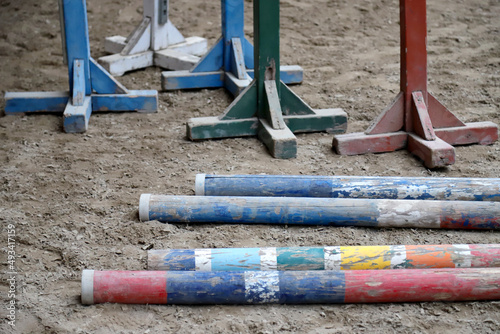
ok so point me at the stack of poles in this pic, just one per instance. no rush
(452, 203)
(298, 276)
(304, 275)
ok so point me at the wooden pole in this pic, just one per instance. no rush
(326, 258)
(422, 188)
(320, 211)
(290, 287)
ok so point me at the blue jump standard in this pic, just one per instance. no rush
(230, 62)
(92, 88)
(414, 188)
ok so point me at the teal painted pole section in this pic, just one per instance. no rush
(320, 211)
(412, 188)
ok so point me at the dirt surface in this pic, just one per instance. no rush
(73, 198)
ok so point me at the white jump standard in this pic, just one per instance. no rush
(155, 41)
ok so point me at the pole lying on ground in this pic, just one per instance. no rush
(320, 211)
(290, 287)
(326, 258)
(426, 188)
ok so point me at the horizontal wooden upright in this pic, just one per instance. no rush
(416, 120)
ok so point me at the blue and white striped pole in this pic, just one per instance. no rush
(320, 211)
(416, 188)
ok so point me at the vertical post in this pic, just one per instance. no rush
(232, 12)
(77, 39)
(266, 49)
(413, 30)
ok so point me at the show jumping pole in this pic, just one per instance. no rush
(326, 258)
(91, 87)
(290, 287)
(321, 211)
(230, 62)
(413, 188)
(155, 41)
(267, 108)
(415, 119)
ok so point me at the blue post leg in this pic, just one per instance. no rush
(79, 107)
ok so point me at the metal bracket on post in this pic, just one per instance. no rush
(416, 120)
(267, 108)
(229, 63)
(91, 88)
(156, 41)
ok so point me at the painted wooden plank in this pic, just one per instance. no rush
(317, 258)
(114, 44)
(415, 188)
(136, 100)
(238, 67)
(273, 105)
(200, 128)
(139, 39)
(281, 143)
(484, 133)
(27, 102)
(76, 118)
(118, 64)
(194, 45)
(361, 143)
(389, 120)
(78, 83)
(234, 85)
(434, 153)
(327, 120)
(173, 80)
(422, 124)
(321, 211)
(213, 60)
(173, 59)
(103, 82)
(290, 287)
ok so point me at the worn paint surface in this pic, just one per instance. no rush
(417, 188)
(326, 258)
(296, 287)
(323, 211)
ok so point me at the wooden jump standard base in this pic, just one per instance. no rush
(267, 108)
(230, 62)
(326, 258)
(155, 41)
(416, 120)
(91, 87)
(290, 287)
(321, 211)
(416, 188)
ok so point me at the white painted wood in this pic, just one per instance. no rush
(144, 207)
(117, 64)
(87, 287)
(174, 60)
(196, 46)
(140, 39)
(162, 35)
(114, 44)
